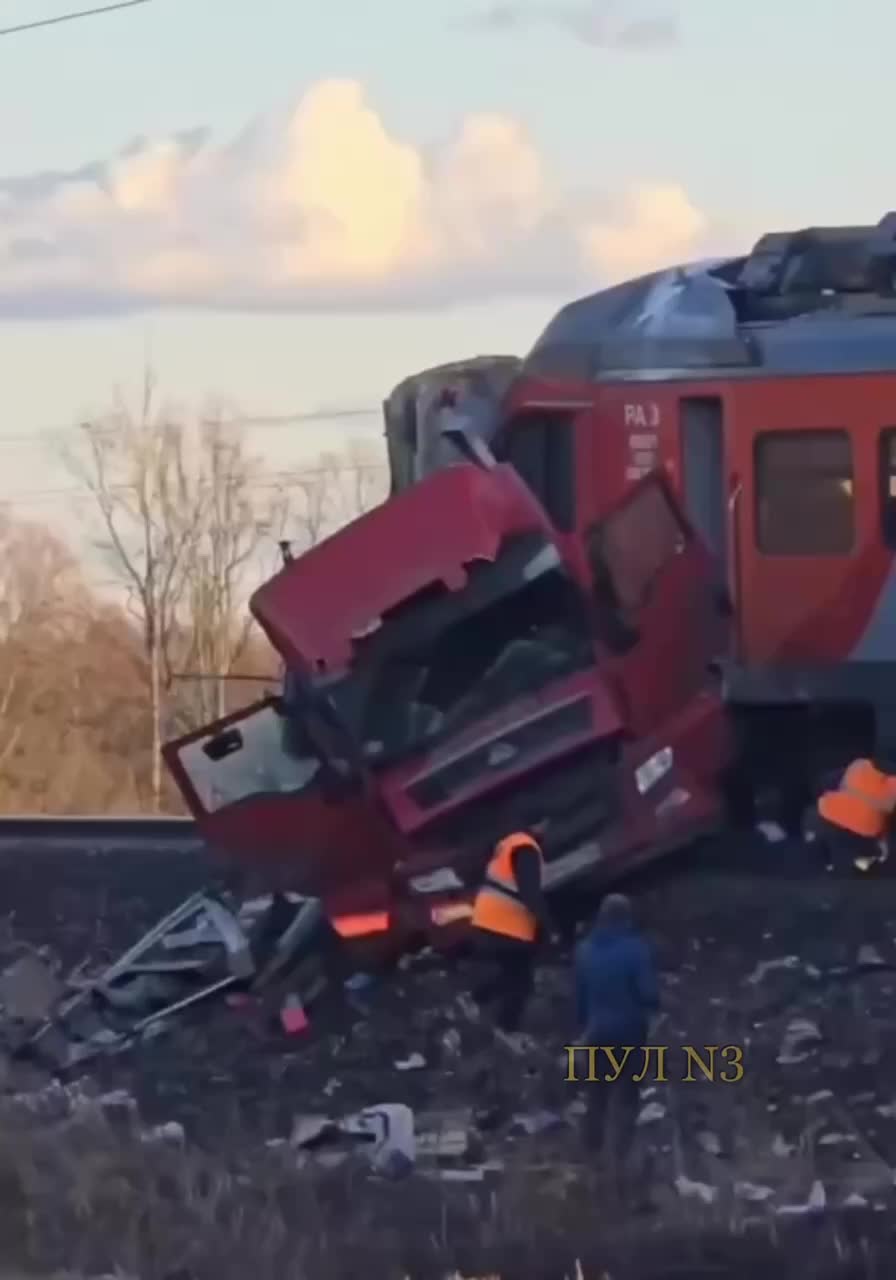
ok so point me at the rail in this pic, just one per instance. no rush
(98, 829)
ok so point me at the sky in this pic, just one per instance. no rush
(291, 205)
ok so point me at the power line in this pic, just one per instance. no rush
(71, 17)
(43, 435)
(268, 480)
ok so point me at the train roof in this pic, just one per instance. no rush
(820, 300)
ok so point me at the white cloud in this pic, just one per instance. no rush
(321, 207)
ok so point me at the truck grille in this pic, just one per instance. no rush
(521, 744)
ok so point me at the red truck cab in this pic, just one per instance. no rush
(452, 678)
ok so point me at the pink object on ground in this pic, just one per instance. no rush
(293, 1017)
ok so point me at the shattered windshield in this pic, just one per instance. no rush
(251, 757)
(415, 694)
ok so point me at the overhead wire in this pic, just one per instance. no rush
(71, 17)
(45, 435)
(266, 480)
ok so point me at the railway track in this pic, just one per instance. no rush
(97, 831)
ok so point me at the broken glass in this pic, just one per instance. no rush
(416, 695)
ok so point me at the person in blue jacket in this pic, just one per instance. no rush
(617, 998)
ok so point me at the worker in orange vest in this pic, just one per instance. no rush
(854, 820)
(509, 917)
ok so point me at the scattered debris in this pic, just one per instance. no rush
(390, 1130)
(750, 1191)
(384, 1133)
(870, 958)
(413, 1063)
(815, 1203)
(771, 832)
(293, 1017)
(709, 1143)
(537, 1122)
(769, 966)
(651, 1112)
(781, 1147)
(801, 1037)
(224, 948)
(821, 1096)
(451, 1042)
(171, 1133)
(690, 1190)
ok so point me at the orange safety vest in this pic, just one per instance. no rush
(863, 803)
(498, 907)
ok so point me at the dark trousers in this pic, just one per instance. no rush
(507, 977)
(612, 1114)
(612, 1106)
(839, 848)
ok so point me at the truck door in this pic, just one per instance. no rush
(703, 473)
(262, 795)
(657, 604)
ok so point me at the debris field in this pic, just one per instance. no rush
(798, 971)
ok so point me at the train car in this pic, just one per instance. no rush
(765, 387)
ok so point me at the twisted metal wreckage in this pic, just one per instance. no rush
(204, 948)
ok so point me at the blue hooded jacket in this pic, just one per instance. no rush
(616, 986)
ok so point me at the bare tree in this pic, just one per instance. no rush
(237, 517)
(364, 478)
(313, 500)
(138, 470)
(73, 706)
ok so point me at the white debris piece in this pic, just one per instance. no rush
(821, 1096)
(769, 966)
(444, 1142)
(709, 1143)
(801, 1036)
(772, 832)
(752, 1192)
(815, 1203)
(869, 957)
(834, 1139)
(451, 1041)
(537, 1122)
(855, 1201)
(690, 1190)
(412, 1063)
(653, 1111)
(171, 1133)
(390, 1128)
(887, 1110)
(781, 1147)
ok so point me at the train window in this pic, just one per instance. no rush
(805, 505)
(634, 544)
(540, 447)
(887, 474)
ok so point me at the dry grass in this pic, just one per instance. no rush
(82, 1195)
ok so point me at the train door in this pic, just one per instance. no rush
(703, 485)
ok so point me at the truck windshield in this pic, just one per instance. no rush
(448, 661)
